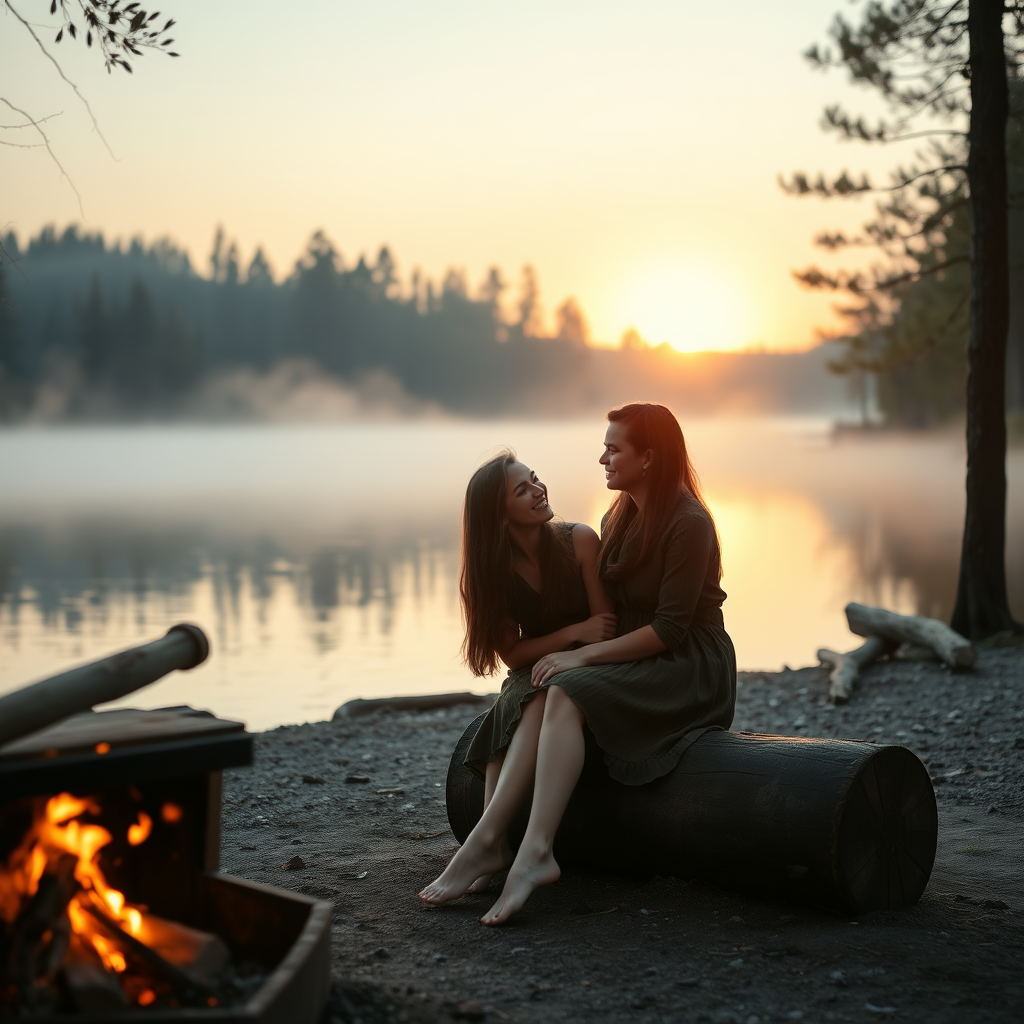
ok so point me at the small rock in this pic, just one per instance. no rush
(994, 905)
(357, 778)
(439, 957)
(296, 842)
(795, 1015)
(992, 809)
(687, 982)
(738, 962)
(313, 780)
(469, 1010)
(884, 1011)
(1018, 743)
(735, 919)
(341, 761)
(381, 953)
(294, 864)
(362, 874)
(651, 970)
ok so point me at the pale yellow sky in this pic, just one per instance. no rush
(628, 150)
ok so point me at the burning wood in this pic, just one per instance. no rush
(64, 918)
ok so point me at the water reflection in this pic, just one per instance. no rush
(320, 586)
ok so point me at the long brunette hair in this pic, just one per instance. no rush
(487, 578)
(653, 427)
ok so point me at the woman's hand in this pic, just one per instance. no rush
(596, 628)
(552, 664)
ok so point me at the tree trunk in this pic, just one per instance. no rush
(982, 608)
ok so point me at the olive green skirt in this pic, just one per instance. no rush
(642, 714)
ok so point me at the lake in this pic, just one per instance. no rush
(322, 560)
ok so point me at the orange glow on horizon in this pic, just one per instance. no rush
(694, 306)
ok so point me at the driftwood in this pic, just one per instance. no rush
(846, 667)
(842, 824)
(426, 702)
(34, 707)
(955, 650)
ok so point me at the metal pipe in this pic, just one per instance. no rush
(41, 704)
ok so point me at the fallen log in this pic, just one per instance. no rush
(424, 702)
(34, 707)
(956, 651)
(846, 667)
(846, 825)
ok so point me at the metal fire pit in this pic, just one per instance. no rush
(133, 760)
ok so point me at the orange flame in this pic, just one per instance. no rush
(171, 812)
(138, 834)
(58, 830)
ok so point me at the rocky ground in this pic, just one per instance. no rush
(353, 812)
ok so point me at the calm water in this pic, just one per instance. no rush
(322, 560)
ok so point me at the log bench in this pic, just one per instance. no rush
(842, 824)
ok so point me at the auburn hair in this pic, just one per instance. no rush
(487, 577)
(649, 427)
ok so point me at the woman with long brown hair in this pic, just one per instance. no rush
(646, 694)
(529, 587)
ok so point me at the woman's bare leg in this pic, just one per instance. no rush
(481, 854)
(491, 774)
(560, 753)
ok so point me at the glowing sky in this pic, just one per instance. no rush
(628, 150)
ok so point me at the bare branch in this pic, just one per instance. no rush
(31, 124)
(60, 71)
(49, 149)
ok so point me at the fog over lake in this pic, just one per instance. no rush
(322, 560)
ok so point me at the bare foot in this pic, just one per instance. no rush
(507, 856)
(474, 860)
(525, 876)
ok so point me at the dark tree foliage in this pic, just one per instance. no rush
(943, 68)
(141, 328)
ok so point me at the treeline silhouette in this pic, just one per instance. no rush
(90, 329)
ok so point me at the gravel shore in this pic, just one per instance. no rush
(353, 812)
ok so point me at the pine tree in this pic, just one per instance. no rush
(945, 63)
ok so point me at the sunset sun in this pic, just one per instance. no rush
(690, 307)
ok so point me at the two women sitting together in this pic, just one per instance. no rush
(620, 637)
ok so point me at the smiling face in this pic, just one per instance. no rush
(526, 498)
(623, 464)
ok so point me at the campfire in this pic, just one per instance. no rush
(111, 901)
(73, 934)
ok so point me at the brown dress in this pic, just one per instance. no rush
(644, 714)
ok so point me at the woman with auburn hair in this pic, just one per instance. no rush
(644, 695)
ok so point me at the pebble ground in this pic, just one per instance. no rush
(599, 947)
